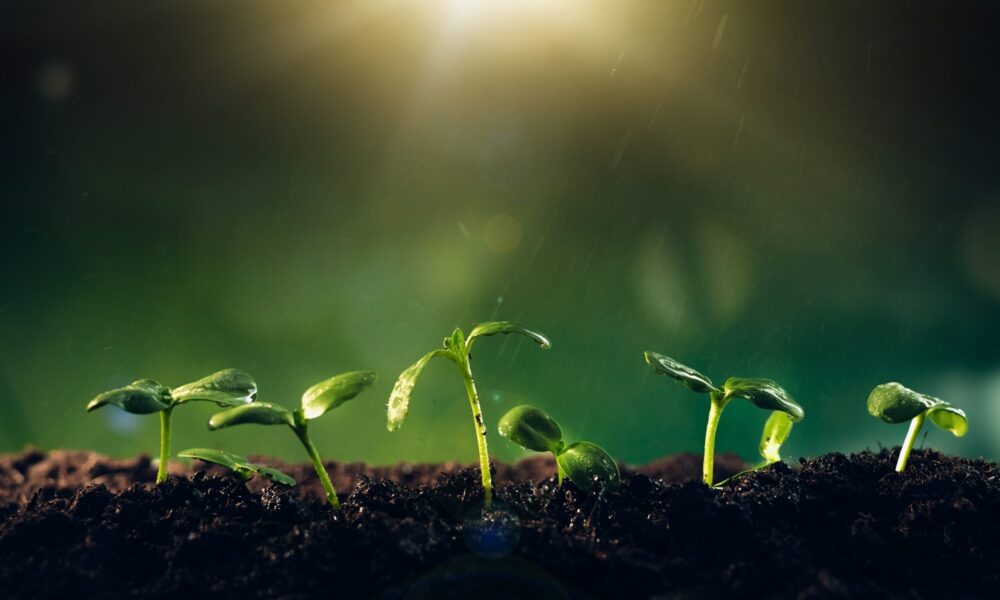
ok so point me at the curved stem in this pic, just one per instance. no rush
(904, 453)
(324, 477)
(719, 403)
(480, 425)
(161, 472)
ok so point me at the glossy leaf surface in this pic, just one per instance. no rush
(259, 413)
(141, 397)
(764, 393)
(895, 403)
(582, 462)
(531, 428)
(229, 387)
(399, 399)
(949, 418)
(495, 327)
(238, 464)
(333, 392)
(776, 430)
(664, 365)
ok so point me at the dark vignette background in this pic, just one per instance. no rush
(800, 190)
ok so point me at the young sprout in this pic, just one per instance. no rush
(776, 430)
(240, 466)
(894, 403)
(316, 401)
(229, 387)
(582, 462)
(456, 349)
(762, 393)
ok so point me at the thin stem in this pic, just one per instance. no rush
(719, 403)
(480, 425)
(911, 436)
(161, 472)
(324, 477)
(560, 474)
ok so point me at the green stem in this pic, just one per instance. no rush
(161, 472)
(480, 425)
(719, 402)
(560, 474)
(904, 453)
(324, 477)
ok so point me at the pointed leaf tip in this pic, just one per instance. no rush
(399, 400)
(259, 413)
(141, 397)
(228, 387)
(664, 365)
(495, 327)
(766, 394)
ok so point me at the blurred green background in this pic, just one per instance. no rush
(805, 191)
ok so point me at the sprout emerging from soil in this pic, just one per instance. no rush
(226, 388)
(316, 401)
(456, 349)
(776, 430)
(762, 393)
(895, 403)
(240, 466)
(582, 462)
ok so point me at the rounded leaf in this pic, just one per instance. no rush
(664, 365)
(584, 462)
(949, 418)
(329, 394)
(228, 387)
(776, 430)
(895, 403)
(141, 397)
(531, 428)
(764, 393)
(238, 464)
(399, 399)
(260, 413)
(495, 327)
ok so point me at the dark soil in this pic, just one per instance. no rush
(78, 525)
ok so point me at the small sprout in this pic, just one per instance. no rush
(582, 462)
(894, 403)
(229, 387)
(456, 349)
(316, 401)
(776, 430)
(762, 393)
(243, 468)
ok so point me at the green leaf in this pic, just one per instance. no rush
(664, 365)
(582, 462)
(229, 387)
(764, 393)
(776, 431)
(237, 463)
(328, 395)
(399, 399)
(495, 327)
(260, 413)
(141, 397)
(531, 428)
(895, 403)
(456, 342)
(949, 418)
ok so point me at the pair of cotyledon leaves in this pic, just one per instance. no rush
(238, 464)
(226, 388)
(581, 462)
(894, 403)
(762, 393)
(456, 348)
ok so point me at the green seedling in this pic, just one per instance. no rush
(582, 462)
(895, 403)
(226, 388)
(456, 349)
(240, 466)
(762, 393)
(316, 401)
(776, 430)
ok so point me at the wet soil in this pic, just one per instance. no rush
(78, 525)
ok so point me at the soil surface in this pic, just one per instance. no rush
(79, 525)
